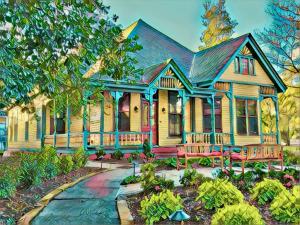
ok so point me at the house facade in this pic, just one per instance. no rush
(210, 96)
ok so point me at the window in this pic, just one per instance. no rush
(207, 116)
(60, 123)
(175, 114)
(124, 115)
(26, 130)
(246, 113)
(244, 65)
(145, 115)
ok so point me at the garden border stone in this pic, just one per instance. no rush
(28, 217)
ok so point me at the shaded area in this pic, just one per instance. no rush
(89, 202)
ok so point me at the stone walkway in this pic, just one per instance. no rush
(89, 202)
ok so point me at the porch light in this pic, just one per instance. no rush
(179, 215)
(136, 109)
(163, 109)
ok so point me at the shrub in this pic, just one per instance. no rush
(117, 154)
(169, 162)
(9, 178)
(191, 178)
(159, 206)
(79, 158)
(131, 180)
(66, 164)
(100, 153)
(217, 193)
(32, 169)
(241, 214)
(266, 190)
(205, 161)
(286, 206)
(49, 159)
(147, 149)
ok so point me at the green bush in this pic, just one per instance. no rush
(159, 206)
(266, 190)
(131, 180)
(169, 162)
(205, 161)
(217, 193)
(286, 206)
(191, 178)
(9, 178)
(100, 153)
(117, 154)
(152, 183)
(241, 214)
(79, 158)
(32, 169)
(49, 159)
(66, 164)
(147, 149)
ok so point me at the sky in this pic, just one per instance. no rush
(181, 19)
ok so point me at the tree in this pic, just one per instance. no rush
(218, 23)
(47, 46)
(281, 44)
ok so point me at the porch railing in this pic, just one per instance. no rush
(269, 138)
(197, 137)
(222, 138)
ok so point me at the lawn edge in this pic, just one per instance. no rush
(29, 216)
(124, 213)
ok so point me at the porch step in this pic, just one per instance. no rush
(164, 152)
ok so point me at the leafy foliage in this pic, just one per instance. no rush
(191, 178)
(9, 177)
(52, 44)
(266, 190)
(218, 193)
(219, 25)
(66, 164)
(159, 206)
(79, 158)
(131, 180)
(241, 214)
(117, 154)
(169, 162)
(205, 161)
(100, 153)
(50, 160)
(286, 206)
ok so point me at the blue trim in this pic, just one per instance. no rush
(247, 83)
(231, 111)
(246, 97)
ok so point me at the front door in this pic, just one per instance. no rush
(146, 120)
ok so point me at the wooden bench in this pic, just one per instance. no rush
(258, 153)
(198, 150)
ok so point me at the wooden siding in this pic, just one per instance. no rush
(260, 76)
(163, 121)
(225, 115)
(109, 114)
(245, 91)
(135, 117)
(198, 115)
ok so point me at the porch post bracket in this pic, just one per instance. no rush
(117, 95)
(275, 100)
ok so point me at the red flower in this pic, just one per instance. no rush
(157, 188)
(127, 155)
(107, 156)
(226, 172)
(288, 184)
(143, 156)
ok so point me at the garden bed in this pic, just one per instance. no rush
(26, 198)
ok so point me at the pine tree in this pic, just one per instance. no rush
(218, 23)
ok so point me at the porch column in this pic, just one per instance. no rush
(183, 104)
(116, 95)
(151, 122)
(213, 125)
(275, 100)
(85, 133)
(229, 96)
(102, 121)
(68, 122)
(54, 123)
(261, 98)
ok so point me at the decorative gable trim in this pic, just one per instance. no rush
(262, 58)
(171, 77)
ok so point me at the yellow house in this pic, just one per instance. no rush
(210, 96)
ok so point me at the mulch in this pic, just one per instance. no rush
(199, 215)
(26, 198)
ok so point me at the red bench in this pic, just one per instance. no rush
(258, 153)
(197, 150)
